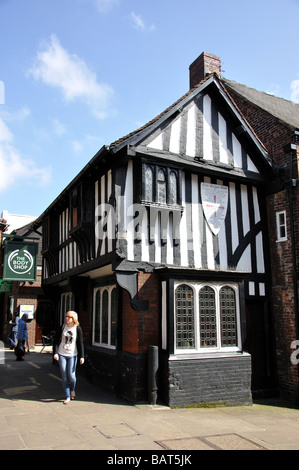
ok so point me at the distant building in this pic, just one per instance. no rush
(183, 235)
(24, 296)
(15, 221)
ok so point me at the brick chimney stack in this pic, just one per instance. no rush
(205, 64)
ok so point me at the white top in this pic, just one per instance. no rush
(68, 346)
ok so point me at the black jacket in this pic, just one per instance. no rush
(79, 341)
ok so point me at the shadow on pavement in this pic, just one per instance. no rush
(38, 378)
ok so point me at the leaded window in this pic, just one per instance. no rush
(207, 317)
(161, 185)
(228, 317)
(149, 184)
(184, 317)
(173, 188)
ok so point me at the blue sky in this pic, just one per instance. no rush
(78, 74)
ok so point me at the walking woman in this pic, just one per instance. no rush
(68, 345)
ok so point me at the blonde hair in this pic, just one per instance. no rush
(73, 315)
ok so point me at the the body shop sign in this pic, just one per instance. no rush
(19, 261)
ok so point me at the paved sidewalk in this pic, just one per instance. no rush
(32, 416)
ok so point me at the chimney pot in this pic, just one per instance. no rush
(204, 65)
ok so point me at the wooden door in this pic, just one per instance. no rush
(259, 342)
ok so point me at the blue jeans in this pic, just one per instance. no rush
(13, 339)
(68, 373)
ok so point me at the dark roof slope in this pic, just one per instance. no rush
(27, 232)
(286, 111)
(115, 146)
(155, 119)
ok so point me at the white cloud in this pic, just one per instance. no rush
(87, 141)
(77, 146)
(105, 5)
(19, 115)
(57, 68)
(59, 127)
(139, 24)
(5, 134)
(137, 21)
(295, 92)
(2, 92)
(14, 168)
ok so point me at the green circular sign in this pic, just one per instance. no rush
(20, 261)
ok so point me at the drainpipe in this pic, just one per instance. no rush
(153, 365)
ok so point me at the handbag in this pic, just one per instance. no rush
(20, 349)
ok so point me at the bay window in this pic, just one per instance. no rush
(206, 317)
(161, 185)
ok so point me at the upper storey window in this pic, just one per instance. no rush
(149, 184)
(160, 185)
(173, 188)
(281, 225)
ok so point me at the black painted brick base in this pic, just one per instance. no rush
(225, 380)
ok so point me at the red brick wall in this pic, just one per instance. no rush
(283, 306)
(275, 135)
(205, 64)
(148, 289)
(130, 338)
(141, 329)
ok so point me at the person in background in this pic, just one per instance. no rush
(22, 337)
(13, 334)
(67, 347)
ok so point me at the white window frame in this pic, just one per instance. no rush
(66, 299)
(196, 286)
(279, 226)
(102, 289)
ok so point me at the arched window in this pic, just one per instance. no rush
(161, 183)
(149, 184)
(67, 301)
(207, 317)
(228, 317)
(97, 316)
(105, 316)
(113, 316)
(184, 307)
(173, 188)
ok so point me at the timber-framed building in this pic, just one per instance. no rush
(163, 239)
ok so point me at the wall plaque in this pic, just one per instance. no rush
(214, 199)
